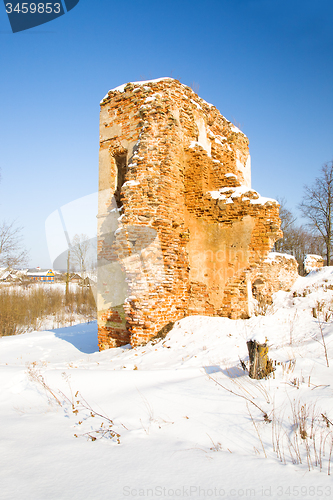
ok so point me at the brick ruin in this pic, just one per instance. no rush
(180, 231)
(278, 271)
(313, 262)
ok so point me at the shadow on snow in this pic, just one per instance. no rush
(232, 372)
(82, 336)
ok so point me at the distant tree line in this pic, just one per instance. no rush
(315, 236)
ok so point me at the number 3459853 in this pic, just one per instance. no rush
(33, 8)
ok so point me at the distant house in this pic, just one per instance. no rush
(9, 275)
(75, 278)
(38, 274)
(4, 272)
(88, 281)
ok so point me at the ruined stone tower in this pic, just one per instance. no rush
(180, 230)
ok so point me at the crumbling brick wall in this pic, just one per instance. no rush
(313, 262)
(179, 227)
(278, 271)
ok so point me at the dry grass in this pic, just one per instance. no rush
(22, 310)
(305, 437)
(103, 425)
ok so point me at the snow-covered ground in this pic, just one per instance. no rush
(175, 419)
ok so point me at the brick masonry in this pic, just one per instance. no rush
(277, 272)
(180, 231)
(313, 262)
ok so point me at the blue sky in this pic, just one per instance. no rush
(267, 65)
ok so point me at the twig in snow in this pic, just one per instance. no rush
(241, 396)
(254, 424)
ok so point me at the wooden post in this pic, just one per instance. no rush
(67, 276)
(260, 365)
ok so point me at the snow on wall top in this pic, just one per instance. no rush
(276, 255)
(312, 256)
(229, 193)
(121, 88)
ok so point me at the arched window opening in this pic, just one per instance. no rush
(257, 287)
(121, 163)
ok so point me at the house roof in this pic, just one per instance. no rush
(39, 272)
(4, 274)
(75, 276)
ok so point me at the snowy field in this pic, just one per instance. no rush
(175, 419)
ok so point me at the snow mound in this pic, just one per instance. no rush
(186, 413)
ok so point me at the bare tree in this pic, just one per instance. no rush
(287, 224)
(79, 251)
(297, 240)
(12, 253)
(317, 207)
(301, 243)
